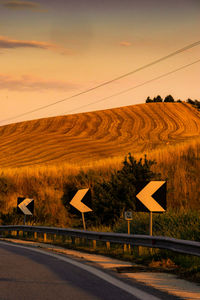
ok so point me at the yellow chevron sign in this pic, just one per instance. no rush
(76, 201)
(148, 198)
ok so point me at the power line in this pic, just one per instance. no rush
(107, 82)
(136, 86)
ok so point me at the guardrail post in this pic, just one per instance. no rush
(73, 240)
(63, 238)
(127, 248)
(108, 245)
(139, 250)
(83, 241)
(45, 237)
(35, 235)
(94, 243)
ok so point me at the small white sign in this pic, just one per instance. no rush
(128, 215)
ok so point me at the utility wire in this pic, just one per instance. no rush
(197, 43)
(136, 86)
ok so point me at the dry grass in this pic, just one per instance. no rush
(88, 137)
(179, 164)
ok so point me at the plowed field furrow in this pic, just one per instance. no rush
(104, 128)
(93, 126)
(132, 124)
(153, 125)
(162, 124)
(193, 125)
(150, 123)
(51, 155)
(96, 135)
(194, 111)
(124, 127)
(115, 127)
(174, 124)
(179, 126)
(139, 124)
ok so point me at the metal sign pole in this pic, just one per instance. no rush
(150, 223)
(25, 219)
(129, 231)
(83, 218)
(128, 226)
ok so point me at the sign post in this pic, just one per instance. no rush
(152, 198)
(150, 223)
(128, 217)
(79, 205)
(83, 219)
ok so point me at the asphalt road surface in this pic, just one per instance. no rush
(29, 273)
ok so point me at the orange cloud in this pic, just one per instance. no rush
(17, 4)
(125, 44)
(29, 83)
(7, 43)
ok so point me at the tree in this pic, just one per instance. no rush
(157, 99)
(149, 100)
(190, 101)
(169, 98)
(113, 197)
(197, 104)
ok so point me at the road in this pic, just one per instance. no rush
(27, 273)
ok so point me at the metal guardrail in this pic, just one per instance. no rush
(181, 246)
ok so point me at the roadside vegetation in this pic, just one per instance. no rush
(52, 188)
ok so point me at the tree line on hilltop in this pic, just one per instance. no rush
(169, 98)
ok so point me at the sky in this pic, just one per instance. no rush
(52, 50)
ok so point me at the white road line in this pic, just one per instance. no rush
(106, 277)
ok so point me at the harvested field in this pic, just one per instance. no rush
(86, 137)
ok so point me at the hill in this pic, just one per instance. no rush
(97, 135)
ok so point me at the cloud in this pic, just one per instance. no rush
(7, 43)
(17, 4)
(27, 83)
(125, 44)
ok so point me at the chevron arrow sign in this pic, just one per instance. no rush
(80, 196)
(151, 197)
(25, 206)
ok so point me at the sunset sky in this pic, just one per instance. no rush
(51, 50)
